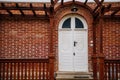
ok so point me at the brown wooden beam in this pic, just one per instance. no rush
(51, 10)
(24, 8)
(95, 8)
(115, 12)
(109, 6)
(26, 16)
(112, 17)
(85, 2)
(62, 2)
(22, 13)
(45, 9)
(73, 0)
(96, 15)
(9, 12)
(102, 9)
(97, 1)
(52, 2)
(115, 8)
(32, 9)
(55, 1)
(102, 1)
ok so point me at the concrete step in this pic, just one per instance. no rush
(73, 76)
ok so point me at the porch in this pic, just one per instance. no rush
(43, 69)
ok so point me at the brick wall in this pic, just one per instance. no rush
(24, 38)
(111, 38)
(29, 38)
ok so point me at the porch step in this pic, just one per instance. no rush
(73, 76)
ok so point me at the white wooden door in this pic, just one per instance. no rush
(80, 51)
(66, 49)
(73, 53)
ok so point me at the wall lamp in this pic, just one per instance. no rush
(74, 9)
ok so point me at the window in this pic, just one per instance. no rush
(78, 23)
(67, 23)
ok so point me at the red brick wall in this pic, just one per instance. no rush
(24, 38)
(29, 38)
(111, 38)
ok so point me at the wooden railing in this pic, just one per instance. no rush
(105, 69)
(26, 69)
(112, 70)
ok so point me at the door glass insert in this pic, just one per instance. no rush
(67, 23)
(78, 23)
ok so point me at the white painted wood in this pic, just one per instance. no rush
(65, 51)
(81, 53)
(68, 61)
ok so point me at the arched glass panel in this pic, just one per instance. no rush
(78, 23)
(67, 23)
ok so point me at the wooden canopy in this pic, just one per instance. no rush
(44, 10)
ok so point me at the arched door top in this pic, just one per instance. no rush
(78, 22)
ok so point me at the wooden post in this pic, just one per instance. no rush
(51, 67)
(100, 49)
(100, 55)
(94, 64)
(94, 58)
(51, 54)
(101, 67)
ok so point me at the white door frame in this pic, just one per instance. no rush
(72, 28)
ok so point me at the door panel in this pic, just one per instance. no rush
(80, 58)
(65, 51)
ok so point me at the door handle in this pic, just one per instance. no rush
(75, 43)
(74, 54)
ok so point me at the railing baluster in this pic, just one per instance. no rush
(25, 71)
(105, 71)
(18, 72)
(32, 71)
(43, 71)
(21, 71)
(29, 66)
(36, 70)
(3, 71)
(11, 71)
(119, 70)
(15, 71)
(0, 71)
(109, 70)
(39, 71)
(116, 70)
(112, 65)
(46, 71)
